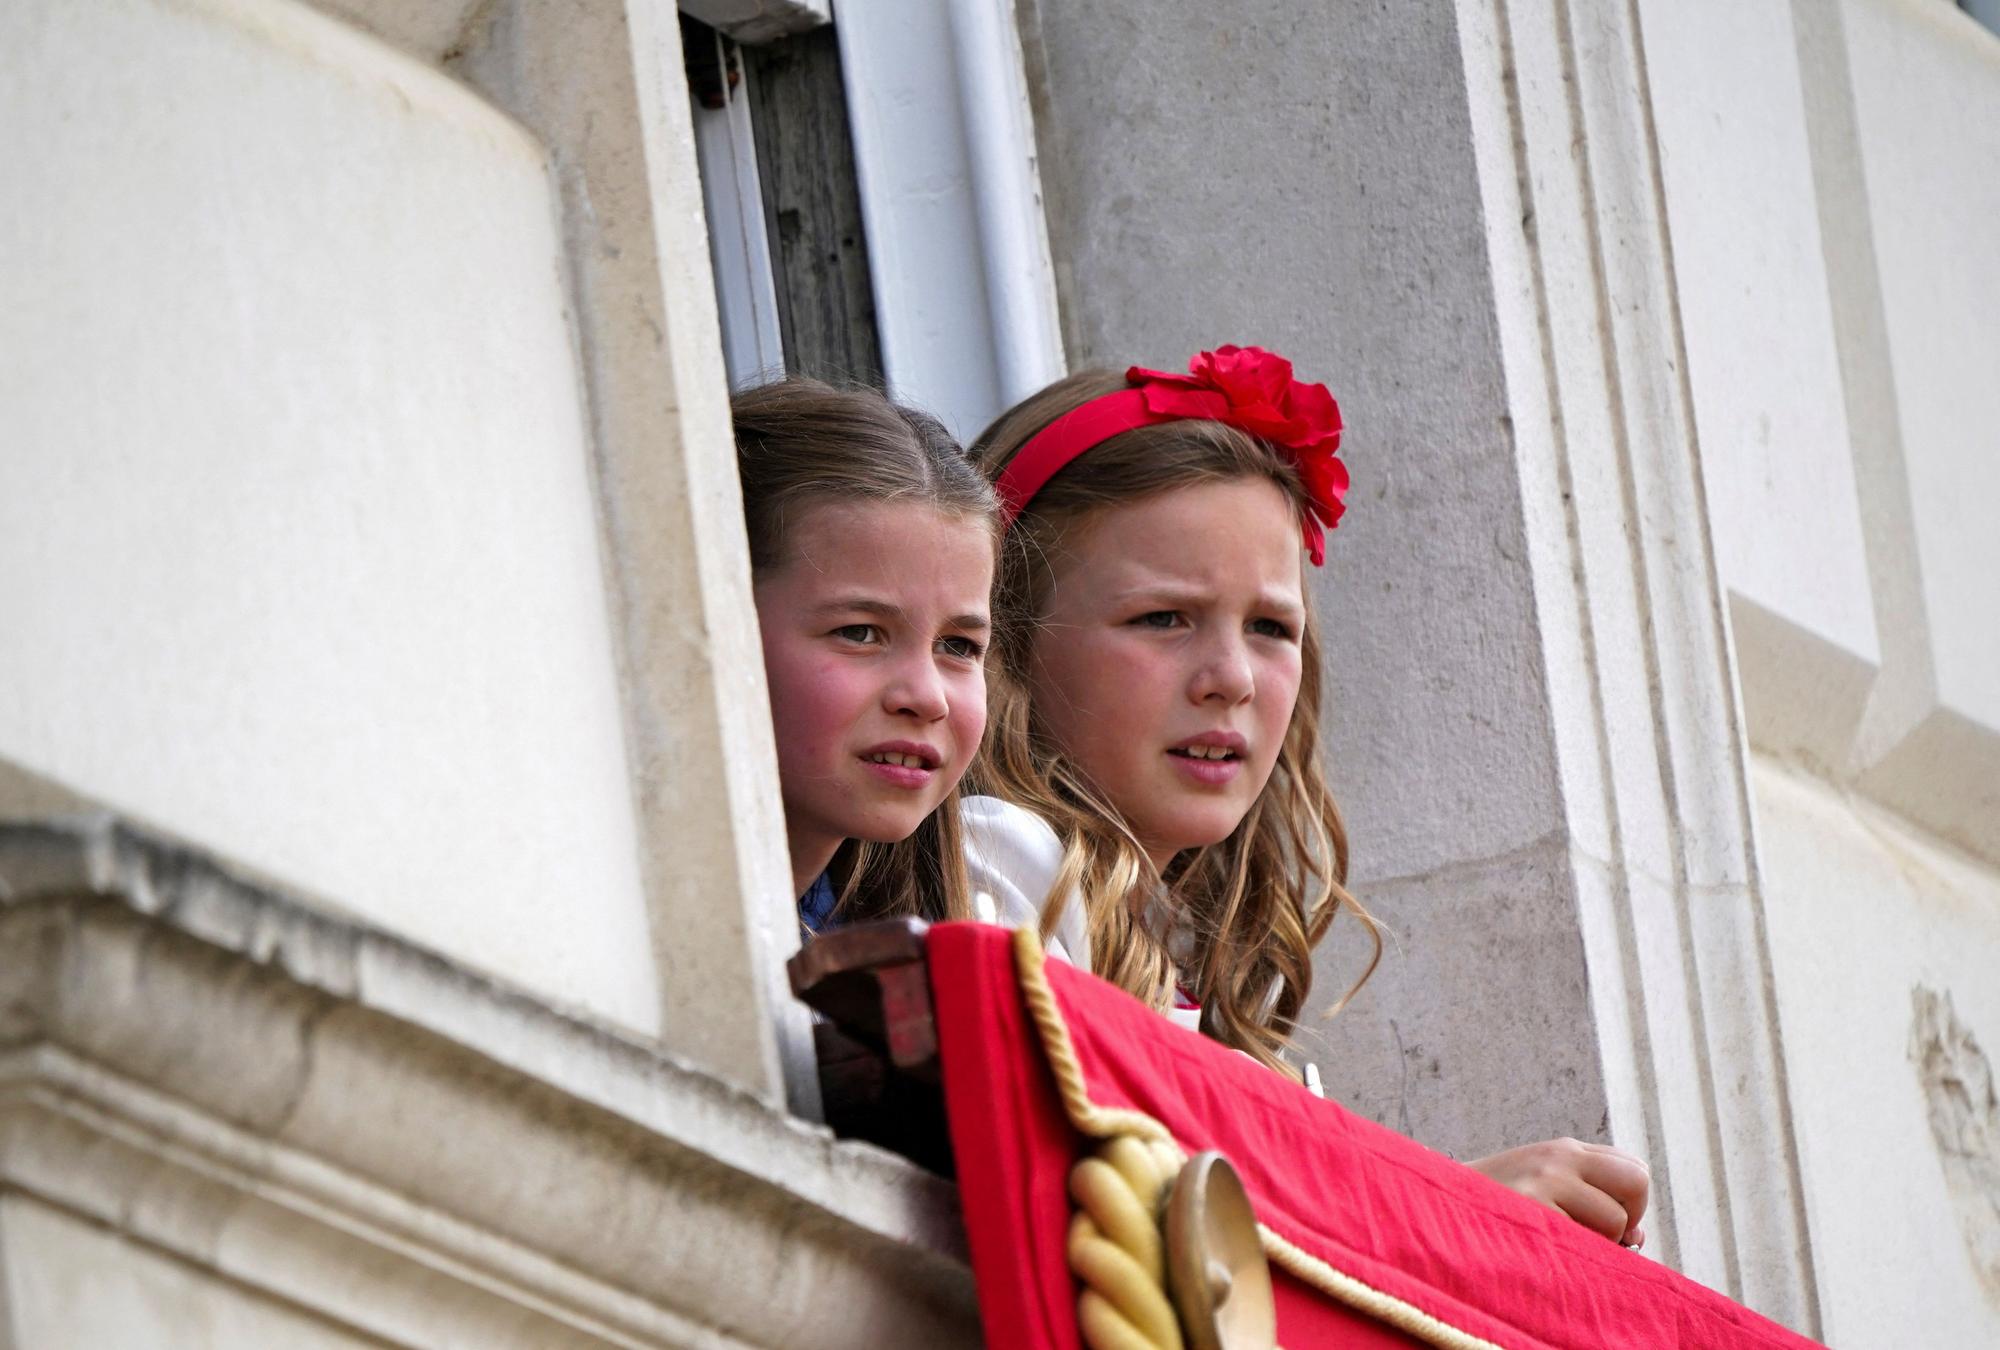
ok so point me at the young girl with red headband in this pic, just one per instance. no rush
(1151, 765)
(871, 552)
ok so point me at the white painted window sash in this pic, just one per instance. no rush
(746, 288)
(944, 149)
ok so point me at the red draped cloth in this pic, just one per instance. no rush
(1373, 1205)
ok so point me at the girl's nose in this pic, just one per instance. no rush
(1224, 675)
(917, 690)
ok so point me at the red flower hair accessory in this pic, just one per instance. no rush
(1243, 387)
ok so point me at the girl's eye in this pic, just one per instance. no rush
(861, 634)
(964, 648)
(1272, 628)
(1158, 618)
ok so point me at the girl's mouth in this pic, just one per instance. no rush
(903, 764)
(1208, 765)
(1210, 753)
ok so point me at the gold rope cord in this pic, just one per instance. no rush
(1157, 1152)
(1115, 1248)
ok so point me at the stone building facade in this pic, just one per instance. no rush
(392, 887)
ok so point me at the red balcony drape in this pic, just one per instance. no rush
(1372, 1205)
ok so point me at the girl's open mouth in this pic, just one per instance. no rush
(906, 761)
(903, 764)
(1208, 765)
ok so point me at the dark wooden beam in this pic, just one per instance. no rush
(805, 158)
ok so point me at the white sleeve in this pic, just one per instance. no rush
(1011, 861)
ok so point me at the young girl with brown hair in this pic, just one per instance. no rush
(1152, 758)
(871, 551)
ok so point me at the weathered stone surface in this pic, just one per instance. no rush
(1455, 1072)
(325, 1115)
(298, 548)
(1957, 1079)
(1865, 909)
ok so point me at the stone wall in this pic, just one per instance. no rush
(229, 1119)
(369, 511)
(393, 895)
(1848, 294)
(295, 519)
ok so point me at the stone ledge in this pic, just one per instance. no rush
(310, 1106)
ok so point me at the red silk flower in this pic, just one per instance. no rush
(1253, 390)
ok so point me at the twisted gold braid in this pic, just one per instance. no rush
(1115, 1249)
(1114, 1241)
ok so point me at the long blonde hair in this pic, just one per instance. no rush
(1260, 900)
(799, 444)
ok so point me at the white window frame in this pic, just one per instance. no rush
(739, 247)
(951, 197)
(951, 201)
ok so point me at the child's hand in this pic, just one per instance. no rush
(1601, 1187)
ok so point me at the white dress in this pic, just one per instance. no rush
(1011, 861)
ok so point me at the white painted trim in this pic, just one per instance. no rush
(944, 157)
(1007, 190)
(746, 288)
(759, 20)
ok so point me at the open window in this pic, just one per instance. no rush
(874, 205)
(874, 215)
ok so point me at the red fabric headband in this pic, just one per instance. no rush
(1244, 387)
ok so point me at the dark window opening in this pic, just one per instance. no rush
(811, 202)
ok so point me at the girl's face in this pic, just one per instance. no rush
(1167, 665)
(875, 630)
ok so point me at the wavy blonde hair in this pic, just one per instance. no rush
(801, 443)
(1259, 901)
